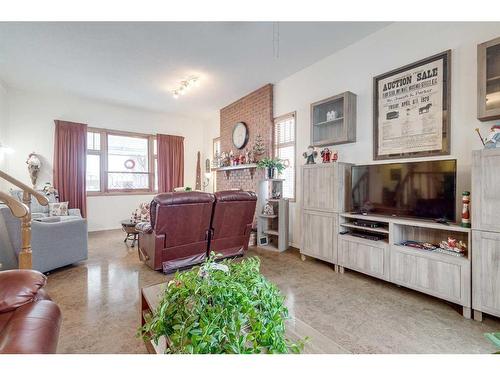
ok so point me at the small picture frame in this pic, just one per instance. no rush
(264, 241)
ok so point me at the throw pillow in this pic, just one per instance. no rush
(58, 209)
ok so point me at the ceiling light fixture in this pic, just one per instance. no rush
(185, 86)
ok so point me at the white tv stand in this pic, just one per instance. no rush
(441, 275)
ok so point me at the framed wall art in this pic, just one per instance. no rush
(411, 110)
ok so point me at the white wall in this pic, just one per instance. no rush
(31, 129)
(353, 69)
(4, 116)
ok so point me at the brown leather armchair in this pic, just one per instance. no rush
(232, 222)
(29, 320)
(178, 234)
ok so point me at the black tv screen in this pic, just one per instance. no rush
(424, 189)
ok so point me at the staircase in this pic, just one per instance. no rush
(22, 211)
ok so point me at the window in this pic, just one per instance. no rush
(120, 162)
(284, 148)
(216, 151)
(93, 161)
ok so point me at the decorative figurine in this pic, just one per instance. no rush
(326, 155)
(453, 246)
(335, 156)
(310, 154)
(492, 140)
(268, 209)
(34, 165)
(331, 115)
(249, 156)
(225, 159)
(466, 209)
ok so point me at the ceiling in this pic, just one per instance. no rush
(138, 64)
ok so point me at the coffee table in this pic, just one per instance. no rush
(128, 227)
(295, 328)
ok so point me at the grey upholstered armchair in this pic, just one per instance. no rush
(55, 241)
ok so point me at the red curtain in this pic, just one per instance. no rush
(70, 159)
(170, 162)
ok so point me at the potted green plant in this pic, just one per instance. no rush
(272, 165)
(495, 339)
(226, 307)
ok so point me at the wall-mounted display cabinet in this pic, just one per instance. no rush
(488, 80)
(333, 120)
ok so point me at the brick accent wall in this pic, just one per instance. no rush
(256, 111)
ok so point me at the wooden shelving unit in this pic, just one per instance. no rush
(368, 229)
(272, 230)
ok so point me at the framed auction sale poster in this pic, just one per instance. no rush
(411, 110)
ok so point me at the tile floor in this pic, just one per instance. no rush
(99, 299)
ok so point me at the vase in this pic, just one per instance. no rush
(270, 173)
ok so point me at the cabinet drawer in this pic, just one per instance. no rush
(486, 272)
(319, 235)
(440, 275)
(370, 257)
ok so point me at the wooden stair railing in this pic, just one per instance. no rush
(25, 256)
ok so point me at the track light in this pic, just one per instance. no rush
(185, 86)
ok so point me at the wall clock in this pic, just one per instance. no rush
(240, 135)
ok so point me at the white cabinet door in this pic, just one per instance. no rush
(486, 272)
(325, 187)
(485, 198)
(370, 257)
(320, 235)
(318, 188)
(440, 275)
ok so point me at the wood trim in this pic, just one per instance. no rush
(118, 192)
(17, 208)
(42, 199)
(446, 146)
(120, 132)
(127, 172)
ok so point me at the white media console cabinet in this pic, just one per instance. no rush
(441, 275)
(325, 199)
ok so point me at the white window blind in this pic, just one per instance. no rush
(284, 148)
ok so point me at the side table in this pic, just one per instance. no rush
(128, 226)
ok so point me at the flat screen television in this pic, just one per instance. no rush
(424, 189)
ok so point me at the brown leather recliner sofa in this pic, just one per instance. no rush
(29, 320)
(232, 222)
(186, 226)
